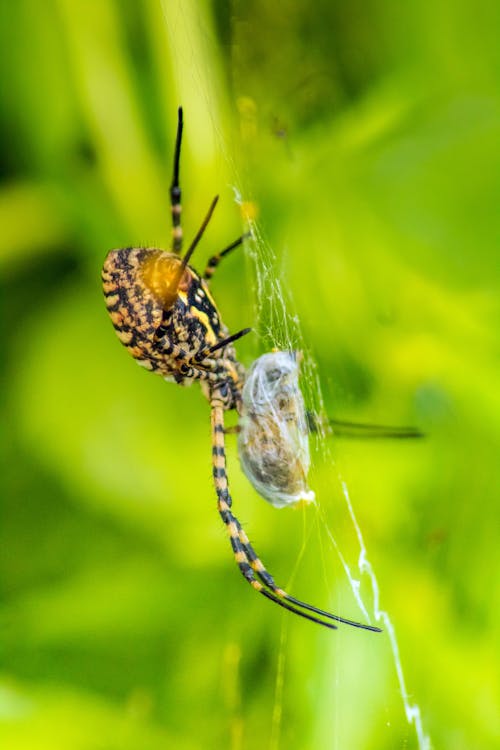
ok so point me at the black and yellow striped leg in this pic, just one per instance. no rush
(246, 558)
(216, 259)
(264, 575)
(175, 190)
(203, 356)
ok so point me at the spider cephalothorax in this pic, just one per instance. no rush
(165, 316)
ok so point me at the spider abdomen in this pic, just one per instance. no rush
(162, 311)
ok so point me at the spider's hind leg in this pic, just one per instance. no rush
(224, 503)
(246, 558)
(258, 567)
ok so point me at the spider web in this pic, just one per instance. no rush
(190, 39)
(279, 327)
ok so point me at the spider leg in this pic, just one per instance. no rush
(224, 503)
(198, 235)
(245, 556)
(342, 428)
(371, 431)
(175, 190)
(216, 259)
(209, 368)
(203, 353)
(233, 430)
(264, 575)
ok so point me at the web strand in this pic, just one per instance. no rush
(281, 330)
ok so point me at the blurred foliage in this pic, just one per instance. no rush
(366, 135)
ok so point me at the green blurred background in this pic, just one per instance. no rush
(365, 135)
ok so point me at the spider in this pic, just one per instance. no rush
(165, 316)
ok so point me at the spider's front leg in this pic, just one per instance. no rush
(214, 261)
(221, 372)
(251, 567)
